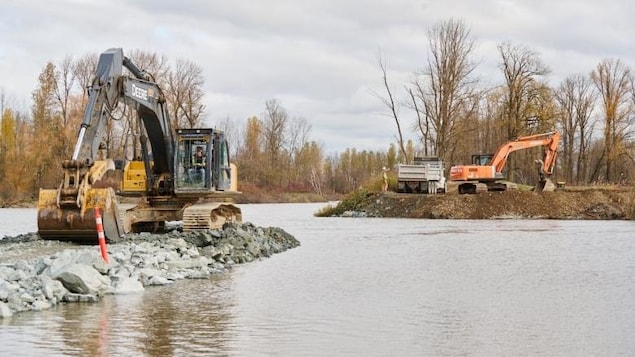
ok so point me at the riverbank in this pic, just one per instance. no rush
(36, 274)
(595, 203)
(260, 196)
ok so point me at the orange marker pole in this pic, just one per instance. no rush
(101, 236)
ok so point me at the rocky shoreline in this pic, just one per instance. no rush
(36, 274)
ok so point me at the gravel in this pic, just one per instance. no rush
(37, 274)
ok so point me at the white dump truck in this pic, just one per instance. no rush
(424, 175)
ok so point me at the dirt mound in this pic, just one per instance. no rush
(587, 204)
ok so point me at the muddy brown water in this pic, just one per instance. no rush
(369, 287)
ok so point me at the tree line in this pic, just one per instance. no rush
(273, 151)
(445, 105)
(456, 115)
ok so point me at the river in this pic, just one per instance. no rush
(369, 287)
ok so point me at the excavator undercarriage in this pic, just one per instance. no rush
(151, 215)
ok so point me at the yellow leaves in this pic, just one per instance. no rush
(7, 130)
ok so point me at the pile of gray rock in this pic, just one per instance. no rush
(80, 274)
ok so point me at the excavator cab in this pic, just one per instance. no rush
(202, 161)
(481, 159)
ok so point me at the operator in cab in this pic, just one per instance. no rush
(198, 162)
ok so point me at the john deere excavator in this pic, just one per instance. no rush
(488, 169)
(173, 184)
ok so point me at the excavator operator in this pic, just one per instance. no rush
(198, 162)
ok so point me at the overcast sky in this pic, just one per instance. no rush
(318, 58)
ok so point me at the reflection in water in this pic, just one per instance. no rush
(104, 326)
(373, 287)
(188, 318)
(85, 330)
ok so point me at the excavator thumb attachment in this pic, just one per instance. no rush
(545, 185)
(77, 224)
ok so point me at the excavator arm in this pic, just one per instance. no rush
(108, 89)
(68, 212)
(548, 140)
(551, 152)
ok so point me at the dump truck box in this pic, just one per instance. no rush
(425, 175)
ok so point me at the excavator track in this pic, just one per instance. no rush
(209, 215)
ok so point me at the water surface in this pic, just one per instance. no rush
(370, 287)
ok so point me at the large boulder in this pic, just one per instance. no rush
(83, 279)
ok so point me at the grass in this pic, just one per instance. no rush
(350, 202)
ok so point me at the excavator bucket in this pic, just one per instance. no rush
(545, 185)
(77, 224)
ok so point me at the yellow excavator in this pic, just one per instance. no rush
(182, 175)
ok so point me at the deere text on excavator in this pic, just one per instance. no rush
(488, 169)
(172, 182)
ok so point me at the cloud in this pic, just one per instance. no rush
(318, 58)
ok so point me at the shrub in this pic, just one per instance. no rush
(350, 202)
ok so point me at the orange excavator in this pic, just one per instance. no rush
(488, 169)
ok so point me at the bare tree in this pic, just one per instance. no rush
(64, 96)
(422, 124)
(613, 78)
(297, 134)
(392, 106)
(275, 125)
(64, 85)
(445, 87)
(523, 71)
(185, 94)
(491, 132)
(84, 71)
(154, 64)
(576, 99)
(232, 135)
(297, 137)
